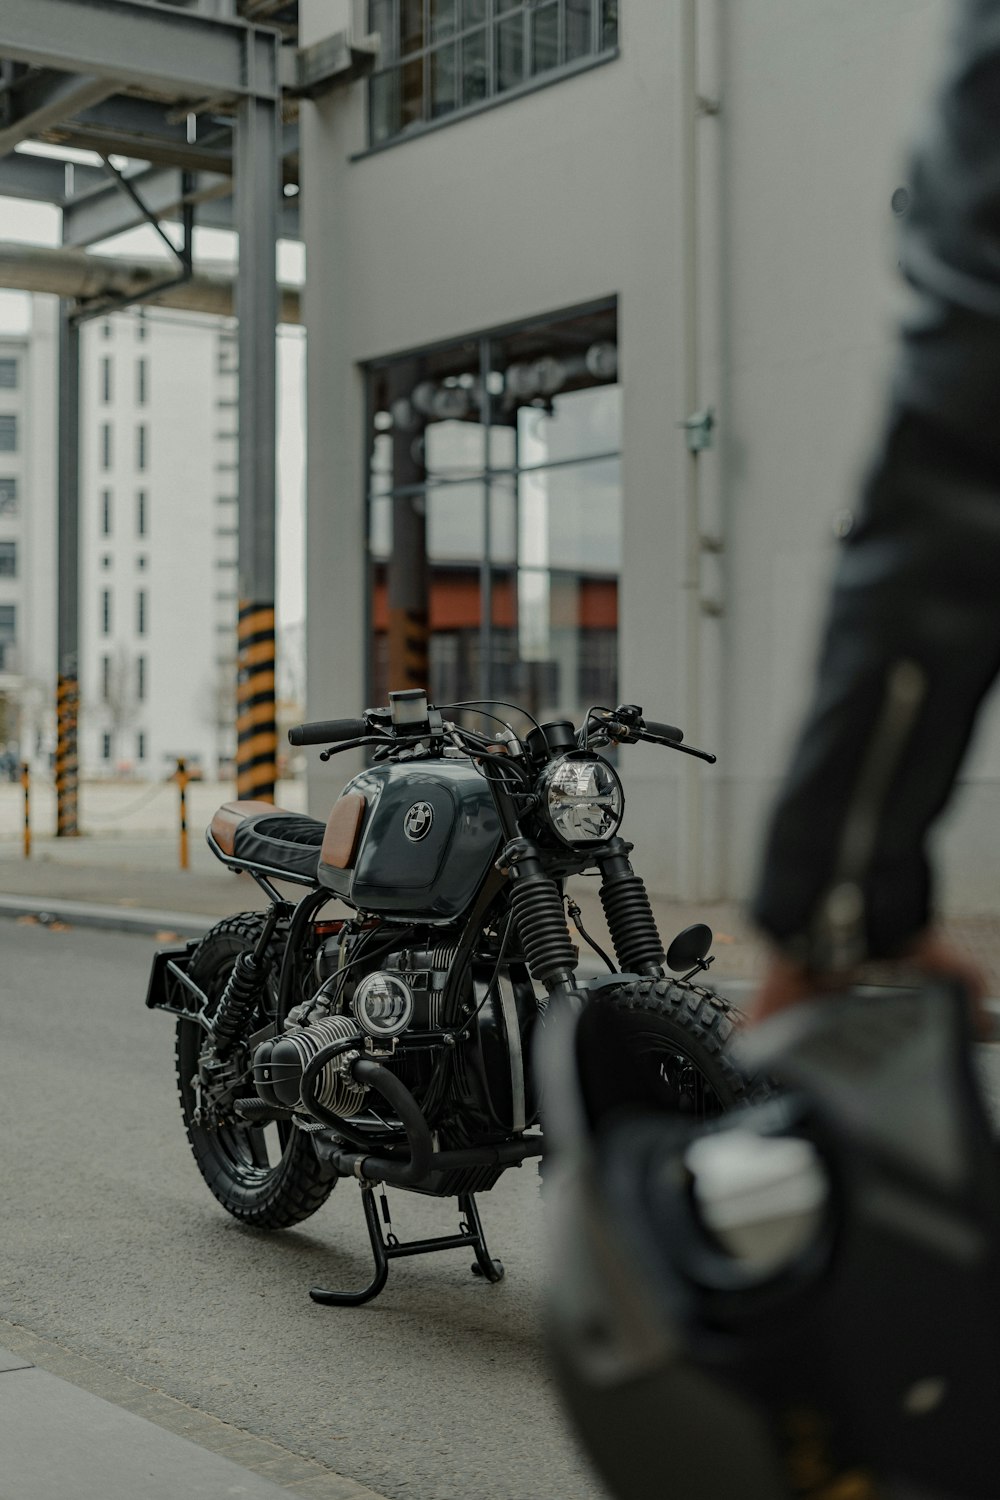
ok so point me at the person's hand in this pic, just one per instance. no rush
(786, 983)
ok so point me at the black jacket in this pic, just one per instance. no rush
(913, 637)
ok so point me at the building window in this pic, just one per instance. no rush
(140, 678)
(105, 678)
(440, 56)
(140, 745)
(105, 513)
(8, 637)
(141, 446)
(141, 612)
(141, 382)
(227, 356)
(8, 559)
(105, 445)
(105, 611)
(106, 328)
(8, 496)
(8, 433)
(141, 326)
(495, 512)
(105, 746)
(141, 513)
(106, 379)
(8, 374)
(141, 561)
(105, 560)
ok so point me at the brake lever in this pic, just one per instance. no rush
(684, 749)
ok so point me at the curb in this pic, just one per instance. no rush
(137, 919)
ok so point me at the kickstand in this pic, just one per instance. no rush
(384, 1249)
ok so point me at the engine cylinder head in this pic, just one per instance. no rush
(279, 1066)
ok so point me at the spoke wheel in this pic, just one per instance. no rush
(266, 1175)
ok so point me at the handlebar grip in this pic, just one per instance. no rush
(328, 731)
(664, 731)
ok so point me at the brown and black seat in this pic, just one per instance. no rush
(269, 838)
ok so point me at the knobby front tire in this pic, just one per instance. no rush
(660, 1045)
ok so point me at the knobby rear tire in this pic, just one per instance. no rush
(266, 1189)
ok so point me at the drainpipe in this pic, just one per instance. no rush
(688, 138)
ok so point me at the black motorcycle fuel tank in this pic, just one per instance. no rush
(429, 834)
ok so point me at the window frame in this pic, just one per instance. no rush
(395, 60)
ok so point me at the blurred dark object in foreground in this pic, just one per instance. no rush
(802, 1300)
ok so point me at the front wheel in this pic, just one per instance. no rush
(659, 1045)
(267, 1176)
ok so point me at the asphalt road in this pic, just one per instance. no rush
(115, 1250)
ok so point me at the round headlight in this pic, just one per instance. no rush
(583, 800)
(383, 1004)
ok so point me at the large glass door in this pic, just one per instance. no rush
(495, 518)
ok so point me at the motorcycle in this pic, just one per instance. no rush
(393, 1044)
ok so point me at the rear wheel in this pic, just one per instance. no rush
(660, 1045)
(267, 1176)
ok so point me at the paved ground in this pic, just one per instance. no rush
(125, 1285)
(122, 1276)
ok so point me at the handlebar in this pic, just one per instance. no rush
(328, 731)
(663, 731)
(624, 725)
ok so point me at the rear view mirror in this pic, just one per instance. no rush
(689, 947)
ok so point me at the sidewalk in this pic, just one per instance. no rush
(64, 1441)
(131, 882)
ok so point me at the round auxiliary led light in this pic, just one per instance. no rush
(383, 1004)
(583, 799)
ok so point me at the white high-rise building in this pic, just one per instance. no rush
(28, 364)
(159, 543)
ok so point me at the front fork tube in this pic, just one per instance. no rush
(537, 904)
(634, 933)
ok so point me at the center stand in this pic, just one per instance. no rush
(388, 1247)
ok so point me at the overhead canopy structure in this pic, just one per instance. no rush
(191, 107)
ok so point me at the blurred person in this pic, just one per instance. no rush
(912, 640)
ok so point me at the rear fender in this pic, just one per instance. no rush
(171, 987)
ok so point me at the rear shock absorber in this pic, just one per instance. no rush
(243, 988)
(636, 939)
(541, 921)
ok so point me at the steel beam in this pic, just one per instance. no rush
(258, 178)
(44, 101)
(90, 278)
(312, 71)
(36, 178)
(180, 54)
(98, 216)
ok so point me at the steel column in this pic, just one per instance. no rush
(257, 189)
(67, 631)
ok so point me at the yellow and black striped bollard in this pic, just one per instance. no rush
(182, 777)
(256, 727)
(67, 764)
(26, 784)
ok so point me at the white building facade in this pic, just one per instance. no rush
(542, 243)
(158, 544)
(28, 364)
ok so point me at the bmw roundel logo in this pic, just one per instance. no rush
(417, 822)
